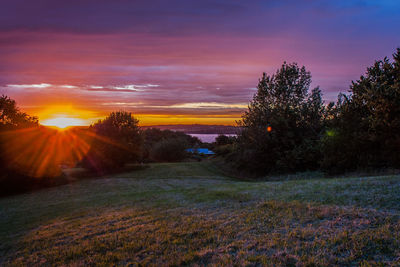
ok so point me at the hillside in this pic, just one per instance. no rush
(189, 213)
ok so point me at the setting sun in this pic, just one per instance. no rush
(63, 116)
(63, 122)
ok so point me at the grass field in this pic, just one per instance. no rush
(191, 214)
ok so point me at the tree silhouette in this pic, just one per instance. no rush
(12, 118)
(117, 140)
(365, 131)
(282, 125)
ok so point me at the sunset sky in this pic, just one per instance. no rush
(180, 61)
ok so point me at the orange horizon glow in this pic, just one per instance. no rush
(63, 122)
(64, 116)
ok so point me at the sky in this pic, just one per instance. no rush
(187, 62)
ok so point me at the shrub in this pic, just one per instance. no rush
(117, 140)
(152, 136)
(365, 129)
(169, 150)
(282, 126)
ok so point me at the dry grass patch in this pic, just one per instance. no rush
(268, 233)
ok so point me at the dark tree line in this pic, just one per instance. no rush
(287, 127)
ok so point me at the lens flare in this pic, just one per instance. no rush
(43, 151)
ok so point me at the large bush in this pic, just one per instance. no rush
(117, 140)
(365, 127)
(156, 137)
(169, 150)
(282, 126)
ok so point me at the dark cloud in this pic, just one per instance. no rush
(103, 16)
(182, 17)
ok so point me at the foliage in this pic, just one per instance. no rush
(155, 139)
(365, 127)
(224, 150)
(12, 118)
(282, 125)
(117, 140)
(13, 127)
(169, 150)
(222, 140)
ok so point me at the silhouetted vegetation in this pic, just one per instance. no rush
(12, 118)
(117, 140)
(287, 128)
(364, 130)
(17, 150)
(169, 150)
(166, 145)
(224, 145)
(222, 140)
(283, 124)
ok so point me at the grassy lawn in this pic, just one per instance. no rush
(189, 213)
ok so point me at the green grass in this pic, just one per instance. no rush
(190, 213)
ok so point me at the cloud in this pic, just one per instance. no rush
(196, 105)
(107, 88)
(41, 85)
(134, 87)
(209, 105)
(68, 86)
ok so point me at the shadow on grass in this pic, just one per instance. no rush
(13, 183)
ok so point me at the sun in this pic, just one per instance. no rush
(64, 116)
(63, 122)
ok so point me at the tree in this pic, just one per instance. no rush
(365, 130)
(117, 140)
(14, 125)
(282, 125)
(12, 118)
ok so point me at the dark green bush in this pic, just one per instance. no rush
(282, 126)
(117, 140)
(169, 150)
(365, 129)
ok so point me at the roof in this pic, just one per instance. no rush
(204, 151)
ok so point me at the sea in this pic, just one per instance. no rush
(208, 138)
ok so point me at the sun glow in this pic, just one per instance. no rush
(63, 122)
(64, 116)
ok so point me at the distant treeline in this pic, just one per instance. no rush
(198, 128)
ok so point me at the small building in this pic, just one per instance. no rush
(201, 151)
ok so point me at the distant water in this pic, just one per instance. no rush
(208, 138)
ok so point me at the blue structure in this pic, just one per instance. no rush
(201, 151)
